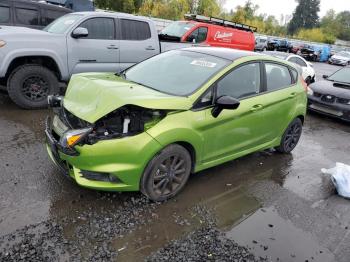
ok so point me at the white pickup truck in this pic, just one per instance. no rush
(33, 62)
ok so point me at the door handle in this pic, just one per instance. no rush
(112, 47)
(292, 95)
(256, 108)
(150, 48)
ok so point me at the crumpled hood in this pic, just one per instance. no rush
(331, 88)
(91, 96)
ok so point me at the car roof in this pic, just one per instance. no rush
(221, 52)
(277, 54)
(112, 14)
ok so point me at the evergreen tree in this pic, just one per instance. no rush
(305, 15)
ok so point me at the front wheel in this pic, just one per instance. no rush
(167, 173)
(29, 86)
(291, 136)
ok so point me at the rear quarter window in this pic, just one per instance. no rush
(277, 76)
(26, 16)
(49, 16)
(134, 30)
(4, 14)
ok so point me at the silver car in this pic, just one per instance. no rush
(341, 58)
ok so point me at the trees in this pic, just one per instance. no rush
(305, 15)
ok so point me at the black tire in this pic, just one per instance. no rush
(167, 173)
(308, 80)
(29, 85)
(291, 136)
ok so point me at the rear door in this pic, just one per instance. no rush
(138, 41)
(280, 97)
(99, 51)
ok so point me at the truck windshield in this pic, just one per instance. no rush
(177, 29)
(177, 72)
(61, 25)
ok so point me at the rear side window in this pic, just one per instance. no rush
(50, 15)
(134, 30)
(99, 28)
(241, 82)
(277, 76)
(199, 35)
(4, 14)
(27, 16)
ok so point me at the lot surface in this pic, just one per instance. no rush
(265, 205)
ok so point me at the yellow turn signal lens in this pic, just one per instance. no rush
(2, 43)
(72, 140)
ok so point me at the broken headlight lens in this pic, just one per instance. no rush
(73, 137)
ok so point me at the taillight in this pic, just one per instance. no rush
(303, 83)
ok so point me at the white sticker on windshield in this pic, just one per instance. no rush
(68, 22)
(203, 63)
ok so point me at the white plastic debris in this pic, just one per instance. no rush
(340, 176)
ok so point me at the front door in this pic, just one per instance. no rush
(235, 131)
(99, 51)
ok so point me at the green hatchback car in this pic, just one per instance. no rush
(174, 114)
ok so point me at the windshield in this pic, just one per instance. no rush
(345, 54)
(61, 25)
(342, 75)
(177, 29)
(176, 72)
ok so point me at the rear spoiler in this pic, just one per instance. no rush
(220, 21)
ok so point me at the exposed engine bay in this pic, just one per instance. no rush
(125, 121)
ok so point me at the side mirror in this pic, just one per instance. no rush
(325, 76)
(80, 32)
(224, 102)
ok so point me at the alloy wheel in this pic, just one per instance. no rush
(35, 88)
(292, 136)
(169, 175)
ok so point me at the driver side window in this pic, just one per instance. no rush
(241, 82)
(199, 35)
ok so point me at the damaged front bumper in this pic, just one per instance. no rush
(108, 165)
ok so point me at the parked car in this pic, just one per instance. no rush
(32, 62)
(211, 32)
(296, 47)
(176, 113)
(272, 44)
(341, 58)
(261, 43)
(29, 13)
(307, 69)
(279, 45)
(310, 53)
(332, 95)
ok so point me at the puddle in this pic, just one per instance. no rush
(171, 223)
(269, 235)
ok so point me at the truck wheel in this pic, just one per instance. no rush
(29, 85)
(291, 136)
(167, 173)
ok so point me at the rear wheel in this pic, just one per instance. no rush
(291, 136)
(167, 173)
(29, 86)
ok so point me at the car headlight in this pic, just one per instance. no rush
(310, 91)
(73, 137)
(2, 43)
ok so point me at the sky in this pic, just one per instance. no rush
(286, 7)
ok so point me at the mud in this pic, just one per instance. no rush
(263, 206)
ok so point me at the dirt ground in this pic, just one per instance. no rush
(265, 206)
